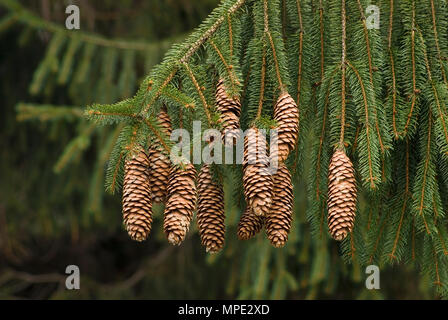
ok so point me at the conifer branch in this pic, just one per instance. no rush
(201, 94)
(159, 137)
(322, 47)
(392, 67)
(160, 90)
(230, 70)
(343, 66)
(442, 242)
(28, 18)
(319, 154)
(229, 23)
(378, 238)
(323, 129)
(370, 63)
(436, 40)
(440, 113)
(277, 68)
(366, 111)
(262, 87)
(271, 43)
(299, 73)
(414, 77)
(421, 201)
(436, 265)
(284, 20)
(114, 180)
(355, 143)
(188, 49)
(366, 38)
(404, 206)
(208, 33)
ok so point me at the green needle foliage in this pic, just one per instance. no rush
(394, 86)
(381, 94)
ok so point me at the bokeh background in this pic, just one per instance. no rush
(53, 208)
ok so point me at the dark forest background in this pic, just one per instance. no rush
(53, 209)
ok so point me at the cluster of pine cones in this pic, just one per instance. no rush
(151, 178)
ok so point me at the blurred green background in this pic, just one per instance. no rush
(53, 209)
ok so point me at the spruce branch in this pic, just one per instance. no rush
(414, 76)
(318, 176)
(274, 48)
(276, 63)
(229, 24)
(208, 33)
(262, 87)
(199, 90)
(157, 131)
(322, 46)
(371, 68)
(299, 73)
(29, 111)
(175, 96)
(438, 101)
(436, 40)
(180, 55)
(407, 195)
(230, 68)
(392, 70)
(28, 18)
(425, 170)
(372, 177)
(343, 74)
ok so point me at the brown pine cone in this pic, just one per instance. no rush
(230, 111)
(210, 213)
(181, 203)
(159, 162)
(137, 204)
(286, 114)
(278, 221)
(257, 180)
(341, 196)
(249, 225)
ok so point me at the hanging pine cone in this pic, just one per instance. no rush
(210, 213)
(137, 204)
(257, 181)
(286, 114)
(181, 203)
(249, 225)
(159, 162)
(341, 196)
(230, 111)
(278, 220)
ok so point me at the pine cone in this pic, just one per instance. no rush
(181, 203)
(159, 163)
(341, 196)
(249, 225)
(257, 181)
(137, 205)
(210, 213)
(278, 221)
(230, 111)
(286, 114)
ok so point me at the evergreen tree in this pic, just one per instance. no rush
(375, 93)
